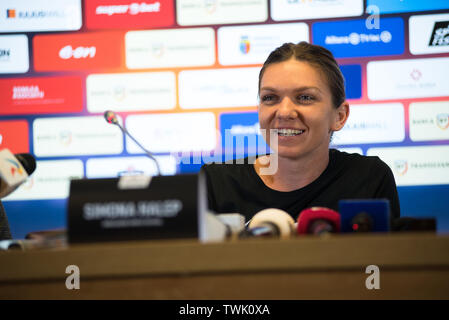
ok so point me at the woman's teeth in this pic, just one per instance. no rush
(289, 132)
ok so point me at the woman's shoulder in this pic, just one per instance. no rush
(358, 161)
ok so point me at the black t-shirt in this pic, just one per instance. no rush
(238, 188)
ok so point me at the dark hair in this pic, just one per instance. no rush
(317, 56)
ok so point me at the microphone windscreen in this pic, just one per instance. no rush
(28, 162)
(281, 219)
(110, 117)
(307, 216)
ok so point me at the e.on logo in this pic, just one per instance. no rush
(68, 52)
(82, 51)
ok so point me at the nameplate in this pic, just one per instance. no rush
(136, 208)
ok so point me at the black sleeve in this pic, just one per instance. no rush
(5, 233)
(210, 195)
(387, 189)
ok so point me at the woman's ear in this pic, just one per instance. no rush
(341, 115)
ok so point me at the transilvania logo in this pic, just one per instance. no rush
(401, 167)
(245, 45)
(443, 120)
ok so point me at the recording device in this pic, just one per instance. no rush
(412, 224)
(318, 221)
(14, 170)
(221, 227)
(270, 222)
(111, 118)
(370, 215)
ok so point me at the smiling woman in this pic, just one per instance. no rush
(301, 103)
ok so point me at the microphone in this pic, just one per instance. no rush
(270, 222)
(318, 221)
(14, 170)
(111, 118)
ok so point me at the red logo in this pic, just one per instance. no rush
(83, 51)
(41, 95)
(14, 136)
(128, 14)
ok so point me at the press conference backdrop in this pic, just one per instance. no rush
(181, 74)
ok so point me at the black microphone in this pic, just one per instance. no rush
(111, 118)
(14, 170)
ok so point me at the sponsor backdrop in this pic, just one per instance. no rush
(183, 75)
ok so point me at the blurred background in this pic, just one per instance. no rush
(181, 74)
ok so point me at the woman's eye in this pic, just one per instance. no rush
(305, 98)
(268, 98)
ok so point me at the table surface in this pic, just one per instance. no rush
(412, 265)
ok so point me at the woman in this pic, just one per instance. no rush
(301, 100)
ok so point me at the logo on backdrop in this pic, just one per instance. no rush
(34, 14)
(415, 74)
(68, 52)
(157, 49)
(244, 44)
(10, 13)
(65, 137)
(440, 34)
(5, 54)
(353, 38)
(401, 167)
(27, 92)
(210, 6)
(443, 120)
(133, 8)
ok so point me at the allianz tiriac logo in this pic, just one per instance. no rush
(354, 39)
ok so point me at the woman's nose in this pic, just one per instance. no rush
(286, 109)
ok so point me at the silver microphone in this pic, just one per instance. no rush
(111, 118)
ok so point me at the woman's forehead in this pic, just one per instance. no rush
(292, 74)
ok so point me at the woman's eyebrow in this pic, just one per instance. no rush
(296, 89)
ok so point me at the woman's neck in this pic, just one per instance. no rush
(293, 174)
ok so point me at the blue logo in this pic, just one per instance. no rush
(396, 6)
(240, 134)
(353, 80)
(348, 39)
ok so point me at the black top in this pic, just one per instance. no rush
(238, 188)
